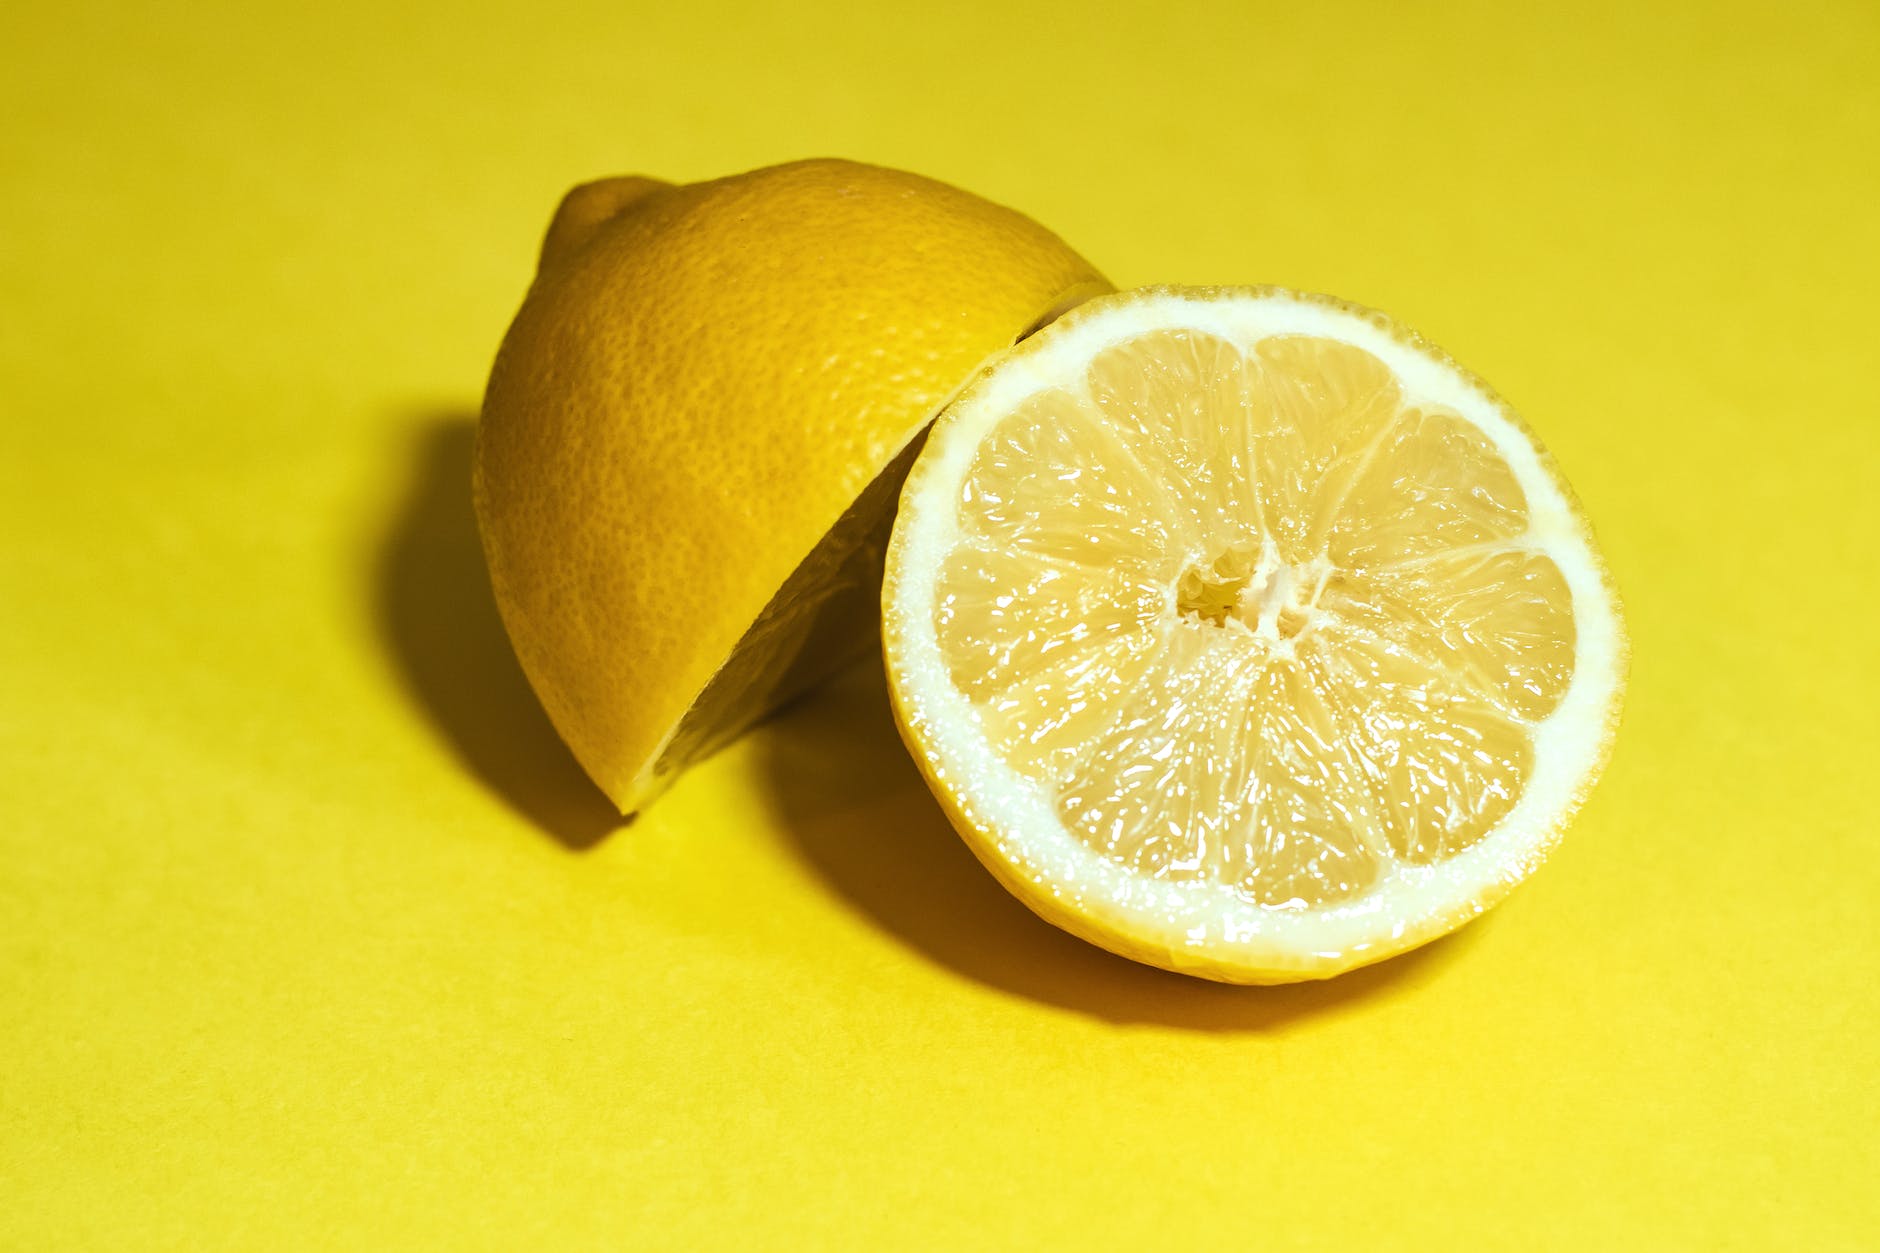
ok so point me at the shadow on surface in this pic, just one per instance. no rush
(836, 774)
(438, 620)
(851, 798)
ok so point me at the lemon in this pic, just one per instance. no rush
(1243, 633)
(688, 447)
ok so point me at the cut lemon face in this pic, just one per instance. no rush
(1243, 633)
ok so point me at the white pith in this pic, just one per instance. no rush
(1205, 919)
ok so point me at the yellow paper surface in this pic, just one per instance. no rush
(311, 934)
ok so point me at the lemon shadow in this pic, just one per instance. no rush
(843, 790)
(861, 817)
(438, 622)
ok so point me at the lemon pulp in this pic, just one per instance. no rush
(1250, 597)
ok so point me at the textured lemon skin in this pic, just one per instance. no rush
(1099, 921)
(700, 380)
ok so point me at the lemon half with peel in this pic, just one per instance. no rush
(696, 425)
(1244, 633)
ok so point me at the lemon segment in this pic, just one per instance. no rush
(1244, 633)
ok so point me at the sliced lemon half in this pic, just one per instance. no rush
(1244, 633)
(696, 425)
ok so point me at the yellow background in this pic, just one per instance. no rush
(314, 935)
